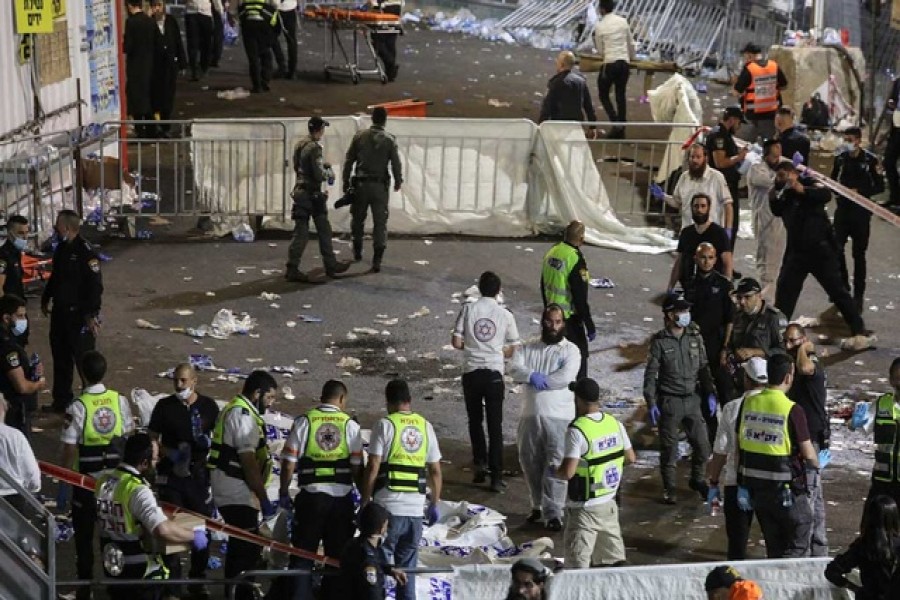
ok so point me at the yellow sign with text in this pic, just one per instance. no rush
(59, 8)
(34, 16)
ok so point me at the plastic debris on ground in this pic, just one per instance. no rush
(422, 312)
(243, 233)
(349, 362)
(144, 324)
(269, 296)
(309, 319)
(602, 282)
(235, 94)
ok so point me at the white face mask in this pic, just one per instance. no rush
(683, 319)
(184, 394)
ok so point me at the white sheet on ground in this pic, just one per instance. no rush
(675, 101)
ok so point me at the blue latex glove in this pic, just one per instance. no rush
(729, 234)
(538, 381)
(713, 494)
(177, 456)
(285, 502)
(201, 540)
(657, 192)
(824, 458)
(654, 415)
(203, 442)
(432, 514)
(860, 415)
(713, 404)
(743, 499)
(797, 159)
(62, 497)
(592, 335)
(268, 509)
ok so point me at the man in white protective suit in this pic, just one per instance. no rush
(547, 365)
(767, 228)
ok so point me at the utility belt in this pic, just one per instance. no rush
(369, 179)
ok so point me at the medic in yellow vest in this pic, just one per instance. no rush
(882, 417)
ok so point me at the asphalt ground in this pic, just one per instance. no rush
(151, 280)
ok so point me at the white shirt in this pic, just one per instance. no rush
(241, 432)
(295, 446)
(400, 504)
(712, 183)
(577, 446)
(613, 39)
(485, 327)
(287, 5)
(73, 430)
(560, 363)
(17, 459)
(203, 7)
(726, 438)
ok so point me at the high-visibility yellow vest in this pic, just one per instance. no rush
(118, 524)
(257, 10)
(559, 262)
(764, 438)
(762, 95)
(102, 424)
(225, 457)
(887, 442)
(326, 457)
(404, 467)
(600, 469)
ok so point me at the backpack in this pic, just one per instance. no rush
(815, 113)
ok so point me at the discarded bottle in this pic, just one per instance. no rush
(34, 363)
(787, 498)
(715, 507)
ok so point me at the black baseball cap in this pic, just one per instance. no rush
(748, 286)
(734, 111)
(751, 48)
(586, 389)
(675, 302)
(722, 577)
(317, 123)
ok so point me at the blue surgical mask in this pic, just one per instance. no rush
(845, 147)
(20, 243)
(683, 320)
(20, 326)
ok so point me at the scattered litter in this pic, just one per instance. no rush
(274, 305)
(498, 103)
(385, 332)
(203, 362)
(352, 336)
(401, 359)
(243, 233)
(253, 360)
(270, 271)
(349, 362)
(390, 351)
(383, 320)
(210, 294)
(287, 393)
(273, 245)
(226, 323)
(290, 324)
(142, 324)
(365, 331)
(602, 282)
(183, 312)
(648, 319)
(807, 322)
(306, 306)
(421, 262)
(427, 242)
(309, 319)
(873, 308)
(529, 249)
(187, 278)
(241, 271)
(422, 312)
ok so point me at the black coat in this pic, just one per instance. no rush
(169, 60)
(141, 36)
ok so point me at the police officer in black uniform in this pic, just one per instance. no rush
(20, 381)
(182, 423)
(257, 18)
(725, 157)
(791, 139)
(72, 300)
(17, 231)
(362, 572)
(858, 170)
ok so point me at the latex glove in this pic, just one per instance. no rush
(432, 514)
(729, 234)
(62, 497)
(797, 159)
(824, 458)
(713, 404)
(743, 499)
(177, 456)
(201, 540)
(860, 415)
(285, 502)
(592, 335)
(268, 509)
(538, 381)
(203, 441)
(657, 192)
(713, 494)
(654, 415)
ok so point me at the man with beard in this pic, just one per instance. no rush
(529, 578)
(811, 250)
(703, 231)
(548, 366)
(756, 331)
(564, 282)
(169, 60)
(726, 157)
(767, 228)
(712, 310)
(700, 179)
(675, 366)
(808, 391)
(140, 46)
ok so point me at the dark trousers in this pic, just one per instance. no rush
(737, 525)
(576, 334)
(218, 39)
(786, 529)
(850, 224)
(681, 412)
(823, 264)
(614, 75)
(483, 392)
(891, 155)
(69, 340)
(287, 25)
(132, 592)
(301, 237)
(385, 45)
(241, 556)
(733, 189)
(84, 516)
(258, 45)
(193, 494)
(199, 31)
(318, 518)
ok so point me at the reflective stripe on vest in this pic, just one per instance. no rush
(762, 95)
(764, 438)
(102, 423)
(225, 457)
(326, 457)
(600, 469)
(558, 265)
(114, 490)
(257, 10)
(887, 445)
(404, 469)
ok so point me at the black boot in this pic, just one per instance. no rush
(376, 260)
(357, 250)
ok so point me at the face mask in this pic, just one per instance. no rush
(184, 394)
(683, 320)
(20, 244)
(700, 218)
(19, 326)
(845, 147)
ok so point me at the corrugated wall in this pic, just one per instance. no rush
(15, 83)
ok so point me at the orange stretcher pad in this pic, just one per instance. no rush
(35, 269)
(343, 14)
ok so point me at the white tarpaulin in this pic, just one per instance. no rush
(675, 101)
(787, 579)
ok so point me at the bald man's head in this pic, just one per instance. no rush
(565, 60)
(575, 233)
(705, 258)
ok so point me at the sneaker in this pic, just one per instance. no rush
(534, 517)
(859, 342)
(669, 497)
(481, 474)
(701, 487)
(339, 268)
(554, 525)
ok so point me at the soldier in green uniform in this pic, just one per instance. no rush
(756, 330)
(371, 152)
(310, 201)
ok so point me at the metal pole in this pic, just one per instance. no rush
(873, 69)
(76, 152)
